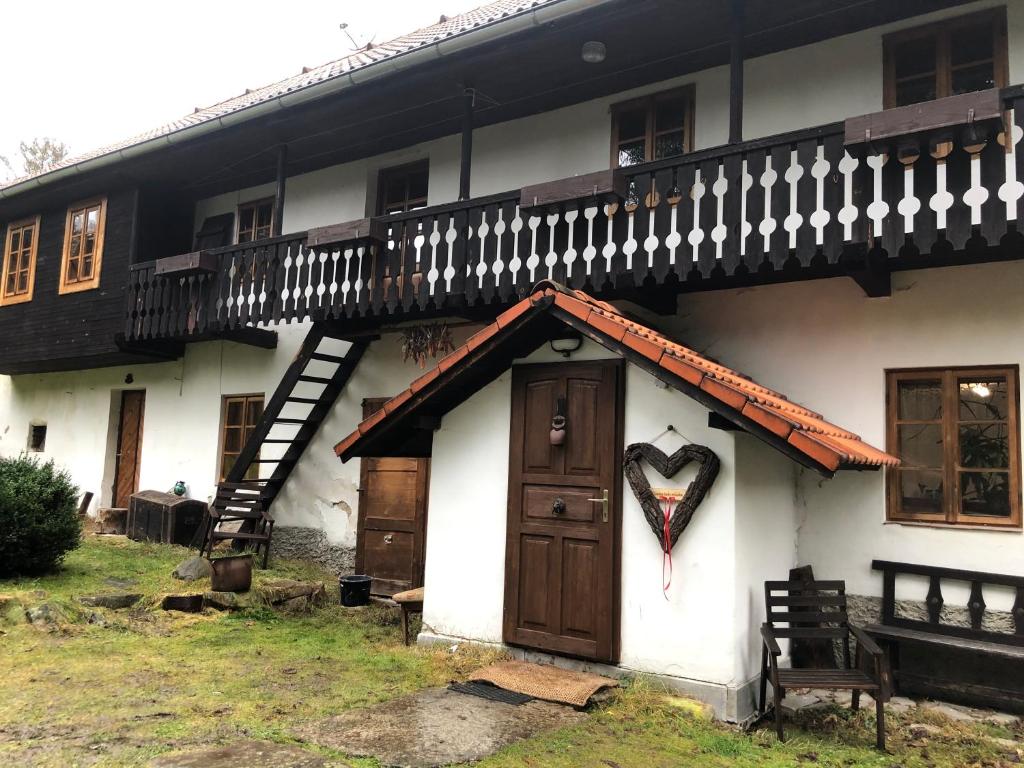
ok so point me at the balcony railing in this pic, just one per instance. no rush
(800, 204)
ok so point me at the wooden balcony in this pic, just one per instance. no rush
(920, 187)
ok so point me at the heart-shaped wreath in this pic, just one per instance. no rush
(668, 466)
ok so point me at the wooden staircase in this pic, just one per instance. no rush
(292, 417)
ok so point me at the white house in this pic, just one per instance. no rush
(824, 198)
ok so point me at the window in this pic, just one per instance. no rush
(19, 268)
(403, 188)
(958, 433)
(946, 58)
(83, 246)
(652, 127)
(239, 416)
(36, 438)
(255, 220)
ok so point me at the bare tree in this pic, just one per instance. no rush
(41, 154)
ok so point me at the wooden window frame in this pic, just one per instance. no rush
(221, 434)
(942, 30)
(949, 422)
(7, 299)
(252, 204)
(97, 258)
(401, 170)
(649, 103)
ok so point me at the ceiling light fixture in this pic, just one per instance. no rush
(594, 52)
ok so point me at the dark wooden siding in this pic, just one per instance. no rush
(75, 330)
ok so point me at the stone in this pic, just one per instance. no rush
(45, 616)
(251, 754)
(900, 704)
(298, 604)
(193, 569)
(294, 542)
(114, 601)
(924, 730)
(795, 702)
(112, 520)
(948, 711)
(277, 591)
(1004, 719)
(228, 601)
(436, 727)
(119, 583)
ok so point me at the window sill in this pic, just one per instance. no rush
(958, 526)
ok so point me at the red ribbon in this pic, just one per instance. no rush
(666, 545)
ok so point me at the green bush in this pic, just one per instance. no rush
(38, 516)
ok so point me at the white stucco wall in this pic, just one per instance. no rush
(182, 422)
(701, 631)
(826, 346)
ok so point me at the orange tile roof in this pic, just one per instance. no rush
(803, 431)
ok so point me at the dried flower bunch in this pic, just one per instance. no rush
(421, 341)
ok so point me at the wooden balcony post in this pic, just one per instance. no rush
(468, 100)
(736, 72)
(282, 162)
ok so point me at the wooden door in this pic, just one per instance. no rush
(392, 519)
(129, 446)
(562, 552)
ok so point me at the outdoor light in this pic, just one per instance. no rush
(566, 343)
(594, 52)
(981, 390)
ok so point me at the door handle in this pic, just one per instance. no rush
(558, 507)
(604, 505)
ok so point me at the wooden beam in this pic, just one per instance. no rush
(254, 337)
(736, 72)
(466, 152)
(716, 421)
(282, 164)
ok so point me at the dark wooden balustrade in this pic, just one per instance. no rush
(791, 206)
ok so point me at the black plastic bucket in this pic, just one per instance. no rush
(355, 590)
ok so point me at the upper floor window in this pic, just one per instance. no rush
(403, 188)
(653, 127)
(255, 220)
(949, 57)
(83, 246)
(19, 266)
(957, 432)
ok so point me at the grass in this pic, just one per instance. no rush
(143, 681)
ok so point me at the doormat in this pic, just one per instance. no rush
(490, 692)
(544, 682)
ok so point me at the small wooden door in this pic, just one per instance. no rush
(392, 519)
(562, 552)
(129, 446)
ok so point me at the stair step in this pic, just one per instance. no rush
(279, 440)
(280, 420)
(328, 358)
(282, 460)
(307, 400)
(314, 379)
(240, 535)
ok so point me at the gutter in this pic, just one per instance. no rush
(393, 64)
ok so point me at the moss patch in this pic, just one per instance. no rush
(135, 683)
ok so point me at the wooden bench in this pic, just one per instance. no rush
(410, 601)
(973, 664)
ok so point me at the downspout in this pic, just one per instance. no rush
(476, 37)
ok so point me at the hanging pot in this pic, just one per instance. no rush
(232, 573)
(557, 435)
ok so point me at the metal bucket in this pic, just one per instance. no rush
(355, 590)
(232, 573)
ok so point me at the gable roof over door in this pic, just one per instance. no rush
(405, 422)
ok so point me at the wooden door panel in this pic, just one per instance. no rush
(538, 455)
(581, 454)
(391, 531)
(540, 501)
(562, 579)
(580, 563)
(535, 580)
(391, 554)
(129, 447)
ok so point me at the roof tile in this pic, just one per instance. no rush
(804, 430)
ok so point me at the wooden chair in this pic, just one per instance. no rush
(239, 502)
(410, 601)
(816, 610)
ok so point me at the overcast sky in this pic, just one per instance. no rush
(90, 74)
